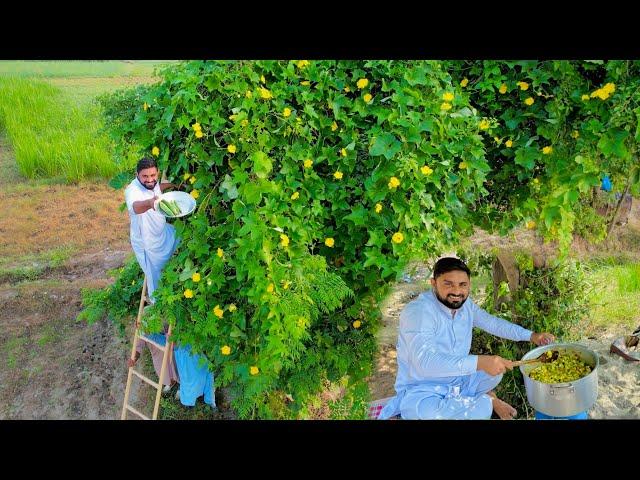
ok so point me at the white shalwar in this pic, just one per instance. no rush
(153, 240)
(437, 378)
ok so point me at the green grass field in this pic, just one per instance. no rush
(80, 68)
(51, 120)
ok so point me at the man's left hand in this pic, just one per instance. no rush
(542, 338)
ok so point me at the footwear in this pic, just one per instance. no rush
(619, 348)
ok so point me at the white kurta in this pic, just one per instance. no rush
(437, 377)
(153, 240)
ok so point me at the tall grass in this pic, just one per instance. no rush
(52, 137)
(79, 68)
(616, 298)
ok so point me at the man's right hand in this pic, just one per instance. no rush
(494, 364)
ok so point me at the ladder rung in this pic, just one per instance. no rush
(155, 344)
(133, 410)
(145, 379)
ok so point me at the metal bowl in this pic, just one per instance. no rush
(186, 202)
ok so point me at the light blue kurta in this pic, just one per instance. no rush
(437, 377)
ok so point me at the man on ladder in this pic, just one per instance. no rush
(153, 241)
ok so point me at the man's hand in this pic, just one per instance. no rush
(542, 338)
(132, 361)
(494, 364)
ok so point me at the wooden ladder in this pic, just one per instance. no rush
(166, 350)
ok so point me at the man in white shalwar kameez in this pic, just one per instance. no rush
(154, 241)
(437, 377)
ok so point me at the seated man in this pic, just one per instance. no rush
(437, 378)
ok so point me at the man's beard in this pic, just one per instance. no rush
(147, 186)
(453, 304)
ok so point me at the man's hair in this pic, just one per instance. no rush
(146, 162)
(449, 264)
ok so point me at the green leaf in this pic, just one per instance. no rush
(612, 144)
(357, 215)
(385, 144)
(228, 188)
(261, 164)
(527, 157)
(121, 180)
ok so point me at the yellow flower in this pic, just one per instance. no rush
(508, 144)
(609, 88)
(306, 83)
(286, 112)
(464, 82)
(334, 126)
(231, 148)
(343, 152)
(426, 170)
(547, 150)
(397, 237)
(195, 194)
(196, 126)
(338, 175)
(233, 117)
(378, 207)
(270, 288)
(347, 89)
(220, 252)
(199, 134)
(232, 307)
(357, 324)
(445, 106)
(248, 94)
(188, 293)
(295, 195)
(226, 350)
(462, 165)
(575, 134)
(244, 122)
(585, 97)
(192, 180)
(155, 151)
(307, 163)
(302, 64)
(329, 242)
(531, 224)
(447, 96)
(253, 370)
(195, 277)
(145, 106)
(286, 284)
(503, 88)
(262, 79)
(523, 85)
(484, 124)
(186, 176)
(218, 312)
(362, 83)
(367, 97)
(266, 94)
(393, 182)
(284, 240)
(529, 101)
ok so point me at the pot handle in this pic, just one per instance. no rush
(561, 388)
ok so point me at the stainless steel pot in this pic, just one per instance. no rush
(562, 399)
